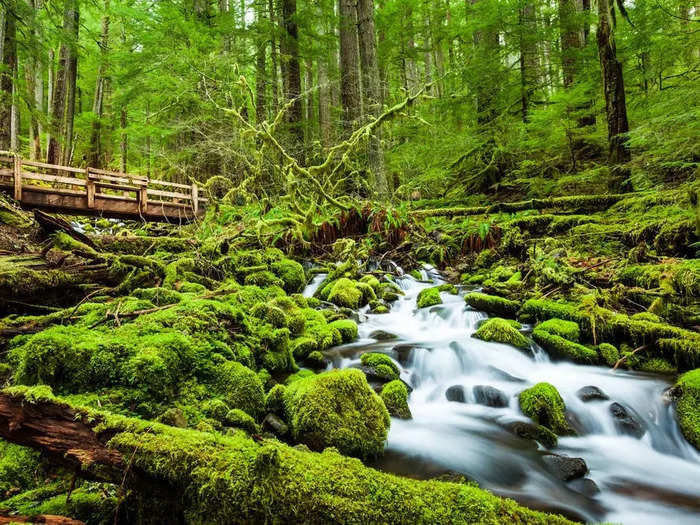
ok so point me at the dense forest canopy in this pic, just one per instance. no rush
(513, 92)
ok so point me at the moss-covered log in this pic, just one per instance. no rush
(236, 479)
(572, 204)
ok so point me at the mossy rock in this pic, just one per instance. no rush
(262, 278)
(344, 292)
(566, 329)
(337, 409)
(380, 366)
(239, 419)
(347, 329)
(291, 273)
(492, 304)
(687, 390)
(241, 388)
(372, 281)
(303, 346)
(558, 347)
(395, 397)
(543, 404)
(428, 297)
(274, 400)
(504, 331)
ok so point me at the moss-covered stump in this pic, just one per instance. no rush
(234, 479)
(688, 406)
(543, 404)
(504, 331)
(395, 397)
(337, 409)
(492, 304)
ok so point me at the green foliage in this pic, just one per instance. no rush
(382, 365)
(337, 409)
(543, 404)
(428, 297)
(502, 331)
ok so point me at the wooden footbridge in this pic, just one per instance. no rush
(91, 191)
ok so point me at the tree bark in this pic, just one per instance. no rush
(274, 79)
(372, 91)
(324, 102)
(293, 70)
(486, 45)
(95, 155)
(260, 65)
(349, 65)
(528, 57)
(613, 86)
(7, 75)
(71, 82)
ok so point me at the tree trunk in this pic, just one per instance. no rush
(50, 81)
(372, 90)
(71, 84)
(260, 69)
(123, 139)
(349, 62)
(528, 57)
(613, 86)
(571, 41)
(293, 70)
(486, 45)
(274, 79)
(7, 76)
(95, 155)
(324, 103)
(309, 96)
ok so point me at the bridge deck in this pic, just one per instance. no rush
(94, 192)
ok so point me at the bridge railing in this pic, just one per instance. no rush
(22, 175)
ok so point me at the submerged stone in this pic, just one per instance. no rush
(456, 393)
(526, 430)
(626, 422)
(564, 467)
(490, 396)
(591, 393)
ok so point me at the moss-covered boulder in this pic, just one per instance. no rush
(379, 366)
(505, 331)
(560, 348)
(688, 405)
(428, 297)
(291, 273)
(492, 304)
(543, 404)
(344, 292)
(337, 409)
(395, 397)
(241, 388)
(608, 354)
(347, 329)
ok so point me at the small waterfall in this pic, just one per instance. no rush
(654, 479)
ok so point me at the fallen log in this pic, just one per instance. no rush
(235, 479)
(575, 203)
(51, 224)
(43, 519)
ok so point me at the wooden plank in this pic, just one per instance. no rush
(174, 195)
(121, 180)
(112, 186)
(53, 178)
(90, 194)
(118, 174)
(52, 166)
(18, 178)
(173, 184)
(195, 198)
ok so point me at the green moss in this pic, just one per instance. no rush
(263, 278)
(347, 329)
(685, 353)
(337, 409)
(274, 401)
(688, 406)
(216, 409)
(566, 329)
(428, 297)
(291, 273)
(608, 354)
(376, 360)
(17, 280)
(646, 316)
(502, 331)
(415, 273)
(543, 404)
(492, 304)
(368, 293)
(656, 365)
(20, 467)
(561, 348)
(395, 397)
(344, 292)
(372, 281)
(158, 296)
(303, 346)
(241, 388)
(239, 419)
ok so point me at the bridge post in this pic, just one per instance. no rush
(195, 198)
(143, 199)
(17, 168)
(90, 187)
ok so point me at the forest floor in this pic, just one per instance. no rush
(150, 369)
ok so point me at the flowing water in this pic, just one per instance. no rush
(654, 479)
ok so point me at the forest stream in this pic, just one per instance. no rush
(640, 468)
